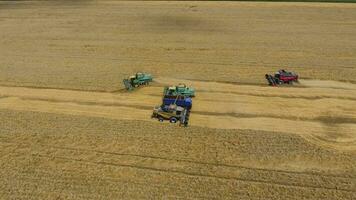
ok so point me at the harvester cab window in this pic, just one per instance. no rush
(165, 108)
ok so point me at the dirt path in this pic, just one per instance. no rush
(324, 112)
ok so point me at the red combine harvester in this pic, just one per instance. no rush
(282, 77)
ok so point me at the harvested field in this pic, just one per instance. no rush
(68, 129)
(62, 155)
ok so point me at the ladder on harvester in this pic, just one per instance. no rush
(185, 118)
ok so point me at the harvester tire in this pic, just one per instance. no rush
(173, 120)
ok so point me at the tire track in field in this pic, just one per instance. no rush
(289, 96)
(186, 164)
(198, 162)
(53, 88)
(201, 175)
(319, 97)
(169, 163)
(130, 59)
(88, 103)
(48, 177)
(160, 84)
(323, 119)
(185, 174)
(179, 160)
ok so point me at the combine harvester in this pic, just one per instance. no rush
(180, 89)
(282, 77)
(176, 105)
(179, 95)
(173, 113)
(137, 80)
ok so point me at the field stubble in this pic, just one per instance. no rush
(84, 138)
(59, 155)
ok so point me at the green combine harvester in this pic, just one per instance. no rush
(137, 80)
(179, 90)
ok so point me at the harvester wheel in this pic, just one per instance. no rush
(173, 120)
(160, 119)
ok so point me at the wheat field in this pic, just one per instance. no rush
(68, 129)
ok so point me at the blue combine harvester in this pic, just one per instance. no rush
(175, 108)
